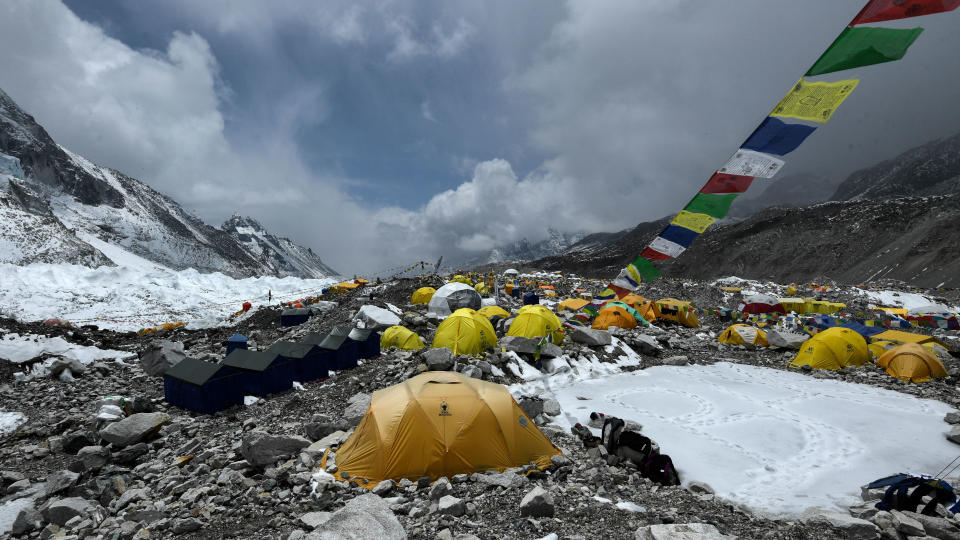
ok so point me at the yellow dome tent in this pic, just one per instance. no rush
(633, 299)
(614, 316)
(912, 363)
(422, 295)
(401, 338)
(461, 279)
(572, 304)
(678, 311)
(465, 332)
(441, 423)
(743, 334)
(481, 287)
(834, 348)
(493, 311)
(536, 321)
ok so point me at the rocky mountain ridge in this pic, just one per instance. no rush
(60, 207)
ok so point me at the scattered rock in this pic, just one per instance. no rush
(439, 359)
(681, 531)
(134, 428)
(260, 448)
(312, 520)
(357, 406)
(161, 355)
(852, 527)
(61, 510)
(537, 503)
(591, 337)
(451, 506)
(366, 516)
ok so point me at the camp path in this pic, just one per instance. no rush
(774, 440)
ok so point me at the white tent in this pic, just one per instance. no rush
(452, 297)
(511, 272)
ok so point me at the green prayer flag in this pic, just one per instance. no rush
(864, 46)
(713, 204)
(645, 269)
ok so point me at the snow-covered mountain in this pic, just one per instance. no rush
(284, 256)
(56, 206)
(526, 250)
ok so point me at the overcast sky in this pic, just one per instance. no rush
(386, 132)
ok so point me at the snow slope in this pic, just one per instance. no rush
(776, 441)
(137, 296)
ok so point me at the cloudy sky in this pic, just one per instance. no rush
(390, 131)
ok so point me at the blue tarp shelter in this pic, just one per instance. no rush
(234, 342)
(262, 372)
(368, 342)
(345, 351)
(310, 363)
(294, 316)
(202, 387)
(862, 329)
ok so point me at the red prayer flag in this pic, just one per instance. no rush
(653, 255)
(727, 183)
(888, 10)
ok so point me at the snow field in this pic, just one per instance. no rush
(775, 441)
(137, 296)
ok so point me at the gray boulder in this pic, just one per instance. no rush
(366, 516)
(60, 481)
(439, 359)
(591, 337)
(954, 435)
(134, 428)
(260, 448)
(440, 488)
(62, 510)
(538, 502)
(936, 527)
(648, 345)
(852, 527)
(62, 365)
(906, 524)
(680, 360)
(506, 479)
(525, 345)
(28, 519)
(161, 355)
(551, 407)
(473, 372)
(312, 520)
(93, 457)
(680, 531)
(451, 506)
(357, 406)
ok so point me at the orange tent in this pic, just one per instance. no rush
(614, 316)
(911, 362)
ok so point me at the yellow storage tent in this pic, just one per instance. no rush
(743, 334)
(422, 295)
(898, 336)
(573, 304)
(913, 363)
(465, 332)
(401, 338)
(834, 348)
(481, 287)
(494, 311)
(614, 316)
(678, 311)
(891, 310)
(536, 321)
(441, 423)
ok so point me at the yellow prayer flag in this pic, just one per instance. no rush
(814, 101)
(695, 222)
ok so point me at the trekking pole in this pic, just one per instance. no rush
(945, 468)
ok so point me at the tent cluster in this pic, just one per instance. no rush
(903, 355)
(207, 387)
(165, 327)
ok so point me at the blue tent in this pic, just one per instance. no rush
(367, 340)
(262, 372)
(234, 342)
(531, 299)
(310, 363)
(345, 351)
(866, 331)
(294, 316)
(202, 387)
(327, 357)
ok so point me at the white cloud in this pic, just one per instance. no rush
(426, 113)
(439, 42)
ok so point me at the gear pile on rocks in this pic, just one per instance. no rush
(101, 455)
